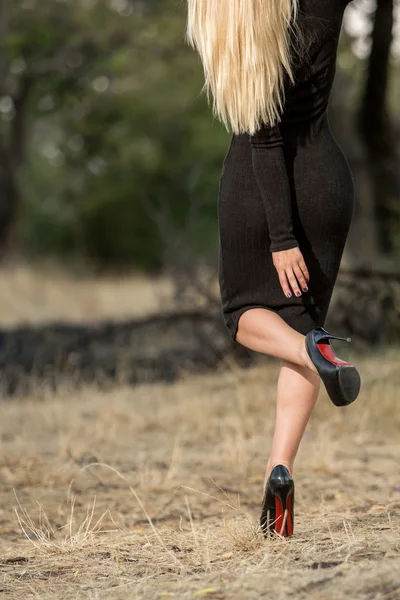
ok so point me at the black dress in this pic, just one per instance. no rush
(287, 186)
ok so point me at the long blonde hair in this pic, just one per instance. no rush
(245, 48)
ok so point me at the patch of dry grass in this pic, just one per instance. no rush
(35, 295)
(155, 492)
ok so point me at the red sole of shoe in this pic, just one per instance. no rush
(278, 516)
(328, 353)
(289, 524)
(286, 531)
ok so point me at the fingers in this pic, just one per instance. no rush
(284, 283)
(292, 271)
(300, 277)
(293, 282)
(288, 282)
(304, 269)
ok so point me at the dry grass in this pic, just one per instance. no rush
(32, 295)
(155, 492)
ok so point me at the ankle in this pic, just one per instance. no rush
(273, 463)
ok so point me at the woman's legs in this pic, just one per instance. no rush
(265, 331)
(298, 383)
(297, 394)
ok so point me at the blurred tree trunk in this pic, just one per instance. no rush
(12, 151)
(12, 139)
(368, 137)
(9, 197)
(376, 129)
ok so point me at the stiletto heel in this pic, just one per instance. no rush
(336, 337)
(277, 515)
(341, 378)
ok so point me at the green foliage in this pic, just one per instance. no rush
(112, 141)
(118, 130)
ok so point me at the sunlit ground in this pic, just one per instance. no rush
(155, 491)
(46, 293)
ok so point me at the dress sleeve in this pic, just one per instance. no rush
(271, 175)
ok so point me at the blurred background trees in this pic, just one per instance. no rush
(108, 149)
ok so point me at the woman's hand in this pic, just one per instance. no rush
(291, 270)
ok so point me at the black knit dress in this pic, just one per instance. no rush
(287, 186)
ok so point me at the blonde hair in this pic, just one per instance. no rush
(245, 49)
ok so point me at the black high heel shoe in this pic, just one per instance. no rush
(278, 503)
(341, 379)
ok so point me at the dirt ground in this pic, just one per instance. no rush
(154, 492)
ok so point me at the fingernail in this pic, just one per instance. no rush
(305, 289)
(289, 295)
(298, 293)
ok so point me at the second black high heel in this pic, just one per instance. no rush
(277, 515)
(341, 378)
